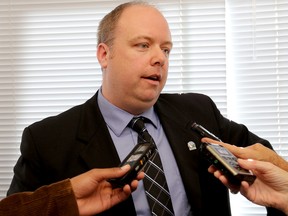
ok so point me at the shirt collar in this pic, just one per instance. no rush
(118, 119)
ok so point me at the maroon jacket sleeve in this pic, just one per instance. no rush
(55, 199)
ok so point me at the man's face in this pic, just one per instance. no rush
(135, 68)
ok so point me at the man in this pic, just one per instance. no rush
(134, 43)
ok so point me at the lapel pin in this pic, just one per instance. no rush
(191, 146)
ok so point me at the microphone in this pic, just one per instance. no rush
(204, 132)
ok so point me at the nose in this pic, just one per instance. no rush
(159, 57)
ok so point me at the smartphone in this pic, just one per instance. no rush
(137, 159)
(222, 158)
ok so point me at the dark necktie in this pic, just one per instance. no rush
(155, 184)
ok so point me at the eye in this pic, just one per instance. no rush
(143, 45)
(166, 51)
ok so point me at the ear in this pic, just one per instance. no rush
(102, 55)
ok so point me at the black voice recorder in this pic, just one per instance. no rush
(137, 159)
(222, 158)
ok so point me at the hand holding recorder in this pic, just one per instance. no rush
(269, 189)
(227, 180)
(222, 159)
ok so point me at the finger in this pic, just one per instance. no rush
(128, 189)
(120, 194)
(230, 147)
(218, 174)
(256, 166)
(134, 184)
(209, 140)
(140, 175)
(107, 173)
(237, 151)
(244, 188)
(225, 181)
(212, 169)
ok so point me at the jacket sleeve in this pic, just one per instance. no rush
(55, 199)
(27, 171)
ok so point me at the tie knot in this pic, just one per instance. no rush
(137, 124)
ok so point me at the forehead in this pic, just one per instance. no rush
(143, 19)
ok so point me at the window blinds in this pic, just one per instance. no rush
(259, 35)
(258, 74)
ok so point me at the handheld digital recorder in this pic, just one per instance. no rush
(137, 159)
(222, 158)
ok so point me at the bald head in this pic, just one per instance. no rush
(107, 26)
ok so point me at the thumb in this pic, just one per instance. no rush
(106, 173)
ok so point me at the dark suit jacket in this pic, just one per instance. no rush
(77, 140)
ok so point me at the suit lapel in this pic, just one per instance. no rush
(177, 127)
(99, 150)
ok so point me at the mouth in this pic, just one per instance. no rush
(154, 77)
